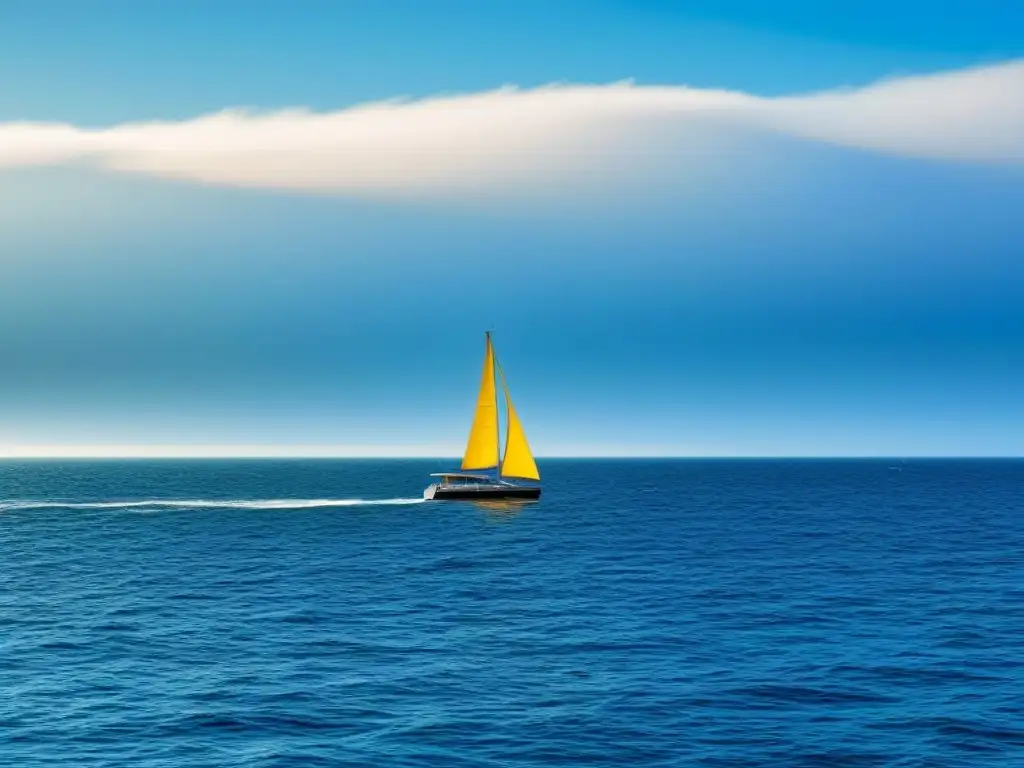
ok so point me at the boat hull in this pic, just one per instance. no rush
(495, 492)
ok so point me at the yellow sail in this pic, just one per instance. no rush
(518, 460)
(482, 447)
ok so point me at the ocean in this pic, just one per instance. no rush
(642, 613)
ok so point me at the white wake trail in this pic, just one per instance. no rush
(7, 505)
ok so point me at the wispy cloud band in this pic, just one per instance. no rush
(511, 138)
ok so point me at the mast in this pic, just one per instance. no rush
(497, 417)
(508, 418)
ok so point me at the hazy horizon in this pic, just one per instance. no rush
(327, 452)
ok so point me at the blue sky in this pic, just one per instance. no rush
(689, 265)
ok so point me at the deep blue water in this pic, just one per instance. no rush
(669, 613)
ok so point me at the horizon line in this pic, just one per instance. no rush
(428, 452)
(13, 457)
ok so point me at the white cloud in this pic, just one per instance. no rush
(973, 115)
(27, 144)
(532, 139)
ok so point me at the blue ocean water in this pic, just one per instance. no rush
(643, 613)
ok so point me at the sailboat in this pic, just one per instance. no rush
(486, 474)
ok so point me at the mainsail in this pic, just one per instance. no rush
(482, 447)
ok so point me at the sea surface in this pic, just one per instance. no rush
(643, 613)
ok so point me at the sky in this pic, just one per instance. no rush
(695, 229)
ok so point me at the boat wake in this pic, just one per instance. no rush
(8, 505)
